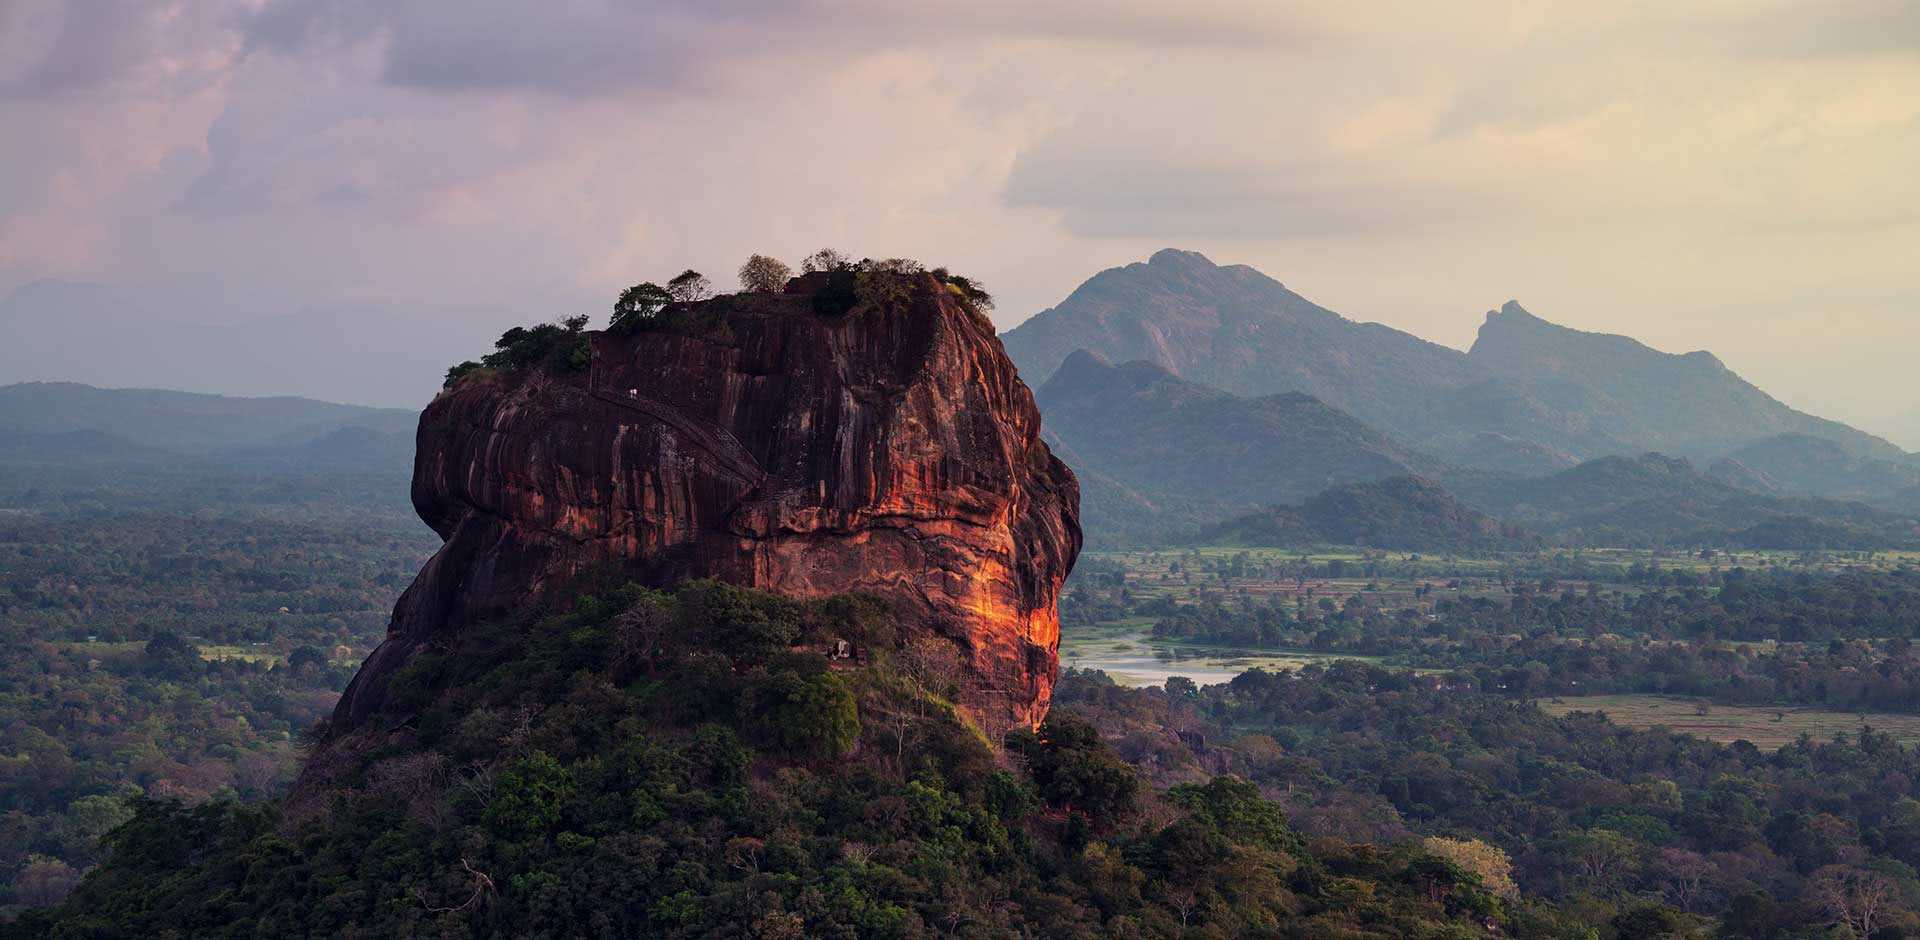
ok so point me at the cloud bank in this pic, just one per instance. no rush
(1725, 175)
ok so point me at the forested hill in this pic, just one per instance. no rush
(1403, 513)
(187, 421)
(693, 764)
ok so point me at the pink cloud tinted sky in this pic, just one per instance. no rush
(1726, 175)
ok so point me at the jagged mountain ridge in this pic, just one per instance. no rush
(1238, 330)
(1689, 404)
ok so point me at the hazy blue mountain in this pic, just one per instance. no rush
(57, 447)
(1656, 500)
(1401, 512)
(1502, 453)
(1159, 444)
(1804, 465)
(1240, 331)
(186, 421)
(1530, 397)
(1687, 404)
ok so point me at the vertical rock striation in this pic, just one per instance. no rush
(893, 451)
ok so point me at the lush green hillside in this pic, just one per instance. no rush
(170, 623)
(647, 764)
(1402, 512)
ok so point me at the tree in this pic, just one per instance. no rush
(763, 274)
(168, 655)
(639, 305)
(528, 796)
(1076, 771)
(1859, 899)
(689, 286)
(1487, 862)
(304, 658)
(826, 259)
(44, 881)
(806, 716)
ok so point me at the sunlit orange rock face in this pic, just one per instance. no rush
(894, 452)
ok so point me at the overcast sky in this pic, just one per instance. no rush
(1742, 176)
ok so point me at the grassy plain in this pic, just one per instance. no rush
(1767, 728)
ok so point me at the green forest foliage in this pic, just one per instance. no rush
(1598, 819)
(167, 630)
(561, 345)
(691, 764)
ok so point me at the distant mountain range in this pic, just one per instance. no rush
(69, 417)
(1232, 391)
(1545, 393)
(1804, 465)
(1652, 500)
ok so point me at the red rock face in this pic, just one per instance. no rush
(896, 453)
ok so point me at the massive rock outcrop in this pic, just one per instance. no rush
(890, 449)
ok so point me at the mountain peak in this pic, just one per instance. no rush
(1084, 358)
(1179, 258)
(1511, 310)
(1513, 316)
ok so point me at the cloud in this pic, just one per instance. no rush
(1644, 168)
(67, 47)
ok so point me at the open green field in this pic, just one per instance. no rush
(1767, 728)
(210, 653)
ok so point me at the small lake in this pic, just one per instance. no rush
(1127, 651)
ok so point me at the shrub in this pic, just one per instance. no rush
(826, 259)
(460, 371)
(561, 344)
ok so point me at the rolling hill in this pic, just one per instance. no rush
(1401, 513)
(189, 422)
(1153, 449)
(1804, 465)
(1652, 500)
